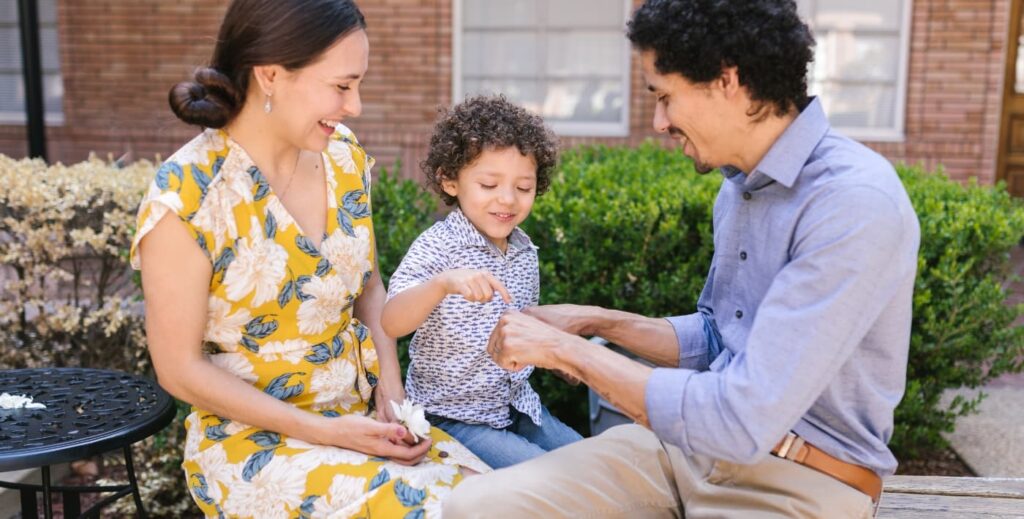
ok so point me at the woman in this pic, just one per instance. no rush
(263, 299)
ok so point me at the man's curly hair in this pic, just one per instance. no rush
(487, 123)
(766, 41)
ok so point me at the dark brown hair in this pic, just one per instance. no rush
(487, 123)
(290, 33)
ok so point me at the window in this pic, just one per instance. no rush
(12, 84)
(860, 64)
(566, 60)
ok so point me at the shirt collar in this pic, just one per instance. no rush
(790, 153)
(467, 235)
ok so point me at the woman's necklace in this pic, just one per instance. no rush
(290, 178)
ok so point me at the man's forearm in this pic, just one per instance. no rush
(617, 379)
(651, 338)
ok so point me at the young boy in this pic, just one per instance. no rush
(490, 159)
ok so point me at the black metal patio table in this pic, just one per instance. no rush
(88, 412)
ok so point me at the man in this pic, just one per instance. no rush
(776, 398)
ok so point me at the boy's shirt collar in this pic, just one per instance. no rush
(467, 235)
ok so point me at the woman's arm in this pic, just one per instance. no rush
(368, 309)
(175, 279)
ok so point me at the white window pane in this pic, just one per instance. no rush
(591, 53)
(49, 51)
(858, 106)
(860, 14)
(47, 10)
(528, 93)
(10, 55)
(845, 55)
(587, 13)
(583, 101)
(53, 93)
(12, 93)
(499, 13)
(511, 54)
(8, 12)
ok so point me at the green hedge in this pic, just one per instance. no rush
(630, 228)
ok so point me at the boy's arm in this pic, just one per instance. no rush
(407, 310)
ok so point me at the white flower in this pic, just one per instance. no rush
(345, 491)
(349, 254)
(413, 418)
(9, 401)
(422, 475)
(432, 507)
(222, 326)
(216, 214)
(235, 363)
(198, 149)
(459, 455)
(327, 299)
(332, 385)
(283, 217)
(291, 350)
(326, 454)
(193, 436)
(273, 491)
(213, 464)
(259, 266)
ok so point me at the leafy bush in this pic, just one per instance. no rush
(963, 331)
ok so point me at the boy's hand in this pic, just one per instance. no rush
(474, 285)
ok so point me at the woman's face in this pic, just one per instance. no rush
(308, 103)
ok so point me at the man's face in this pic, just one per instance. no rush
(690, 113)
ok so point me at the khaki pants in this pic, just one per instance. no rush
(628, 472)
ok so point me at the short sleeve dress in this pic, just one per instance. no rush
(280, 318)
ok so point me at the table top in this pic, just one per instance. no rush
(88, 412)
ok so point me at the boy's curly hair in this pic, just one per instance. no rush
(481, 123)
(765, 40)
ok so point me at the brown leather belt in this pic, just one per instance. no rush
(794, 448)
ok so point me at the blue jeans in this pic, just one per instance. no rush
(518, 442)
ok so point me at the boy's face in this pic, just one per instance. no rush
(496, 192)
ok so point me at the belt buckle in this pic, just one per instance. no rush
(791, 445)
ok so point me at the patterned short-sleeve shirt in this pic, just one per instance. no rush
(450, 373)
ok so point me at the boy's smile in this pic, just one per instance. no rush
(496, 192)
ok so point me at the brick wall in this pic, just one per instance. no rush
(119, 59)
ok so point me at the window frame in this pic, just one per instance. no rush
(897, 132)
(54, 118)
(619, 128)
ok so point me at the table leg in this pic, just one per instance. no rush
(47, 498)
(133, 482)
(29, 504)
(72, 503)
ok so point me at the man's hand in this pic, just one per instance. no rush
(520, 340)
(574, 319)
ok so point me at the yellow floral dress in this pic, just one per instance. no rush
(280, 318)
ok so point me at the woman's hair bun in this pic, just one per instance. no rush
(211, 100)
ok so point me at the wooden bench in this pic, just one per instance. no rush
(938, 497)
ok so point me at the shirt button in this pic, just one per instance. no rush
(739, 314)
(743, 255)
(747, 195)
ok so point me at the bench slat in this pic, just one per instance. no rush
(956, 486)
(903, 506)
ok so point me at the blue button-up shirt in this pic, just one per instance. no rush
(809, 302)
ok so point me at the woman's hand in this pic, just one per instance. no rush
(474, 285)
(369, 436)
(383, 395)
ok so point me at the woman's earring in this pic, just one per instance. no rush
(266, 106)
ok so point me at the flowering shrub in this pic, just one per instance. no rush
(67, 296)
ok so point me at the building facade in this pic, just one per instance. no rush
(921, 81)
